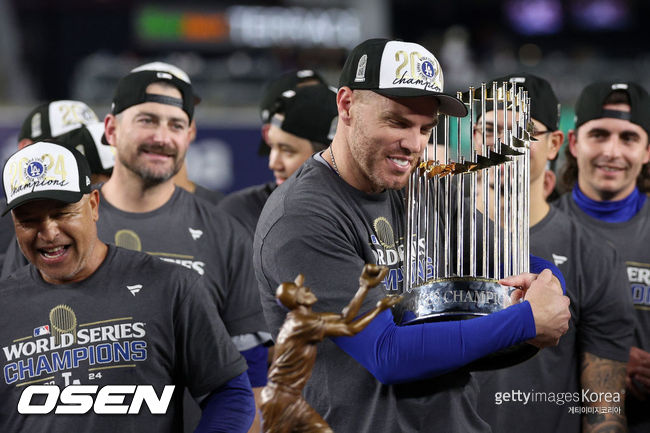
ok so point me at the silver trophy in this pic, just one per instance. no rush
(467, 215)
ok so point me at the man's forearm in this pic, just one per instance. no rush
(606, 378)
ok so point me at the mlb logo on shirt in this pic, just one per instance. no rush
(41, 330)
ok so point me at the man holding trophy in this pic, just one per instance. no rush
(344, 208)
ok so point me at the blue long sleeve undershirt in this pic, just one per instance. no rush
(229, 409)
(397, 354)
(257, 360)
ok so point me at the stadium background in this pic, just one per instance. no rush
(78, 49)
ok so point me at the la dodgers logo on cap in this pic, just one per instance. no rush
(35, 169)
(45, 170)
(409, 65)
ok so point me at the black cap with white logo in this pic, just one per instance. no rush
(289, 80)
(132, 89)
(88, 141)
(308, 112)
(544, 105)
(590, 103)
(398, 69)
(55, 118)
(45, 170)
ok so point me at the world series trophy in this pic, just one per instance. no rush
(467, 216)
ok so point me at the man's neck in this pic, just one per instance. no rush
(183, 181)
(346, 167)
(539, 208)
(128, 192)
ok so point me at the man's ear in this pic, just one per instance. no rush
(110, 124)
(265, 132)
(192, 131)
(573, 139)
(344, 103)
(555, 143)
(24, 143)
(93, 200)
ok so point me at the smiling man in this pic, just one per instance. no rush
(85, 315)
(301, 121)
(343, 208)
(607, 156)
(593, 354)
(150, 128)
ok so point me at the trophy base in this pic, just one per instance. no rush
(463, 298)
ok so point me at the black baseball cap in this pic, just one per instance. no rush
(288, 80)
(398, 69)
(308, 112)
(87, 139)
(52, 119)
(544, 105)
(132, 89)
(45, 170)
(590, 103)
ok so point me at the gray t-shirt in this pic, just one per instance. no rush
(210, 195)
(6, 234)
(631, 239)
(207, 241)
(246, 205)
(136, 320)
(601, 324)
(318, 225)
(192, 233)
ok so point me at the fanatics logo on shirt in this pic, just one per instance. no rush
(559, 260)
(134, 289)
(195, 233)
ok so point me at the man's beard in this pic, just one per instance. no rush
(152, 177)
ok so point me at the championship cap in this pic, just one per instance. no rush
(544, 105)
(55, 118)
(45, 170)
(590, 103)
(132, 89)
(88, 141)
(308, 112)
(289, 80)
(398, 69)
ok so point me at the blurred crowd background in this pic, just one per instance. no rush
(78, 49)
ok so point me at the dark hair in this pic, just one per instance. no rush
(317, 147)
(569, 173)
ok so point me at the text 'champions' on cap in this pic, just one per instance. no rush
(45, 170)
(398, 69)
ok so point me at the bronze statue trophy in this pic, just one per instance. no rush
(283, 408)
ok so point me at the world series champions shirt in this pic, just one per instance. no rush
(631, 239)
(190, 232)
(547, 387)
(135, 321)
(328, 238)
